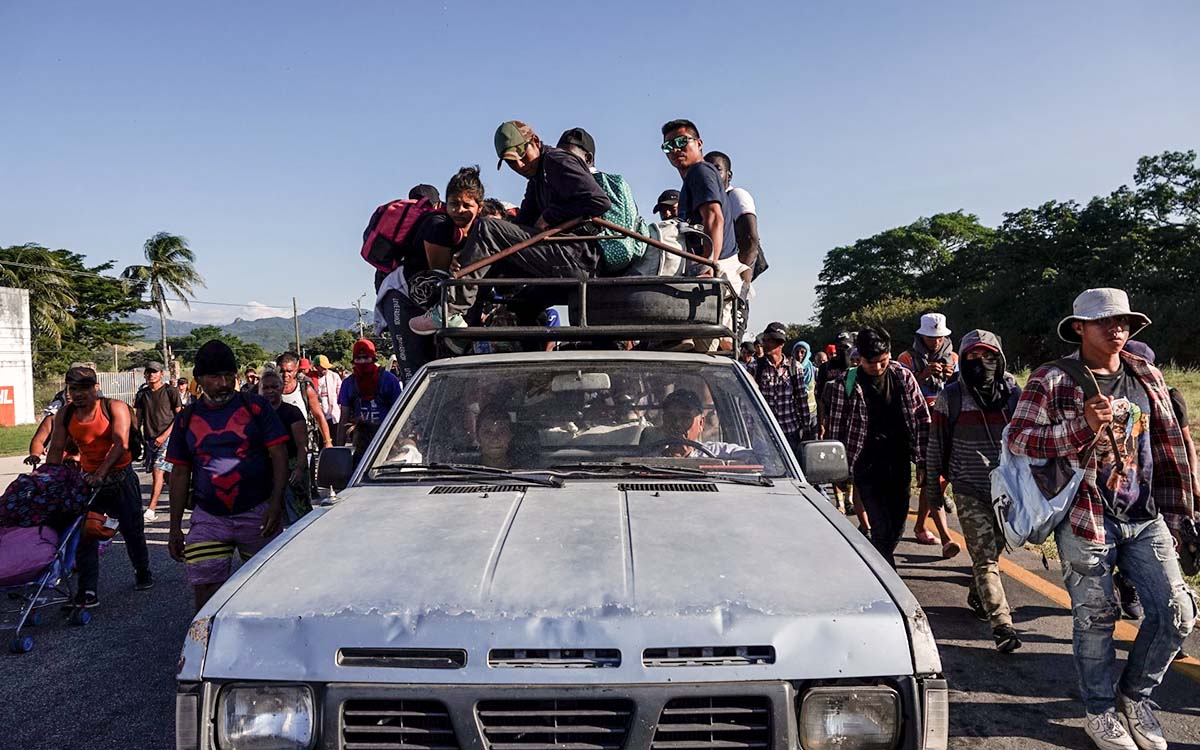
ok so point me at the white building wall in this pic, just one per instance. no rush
(16, 353)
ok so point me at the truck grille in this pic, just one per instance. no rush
(667, 487)
(709, 656)
(396, 725)
(555, 724)
(586, 658)
(717, 723)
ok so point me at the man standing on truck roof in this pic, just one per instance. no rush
(560, 189)
(742, 213)
(1129, 510)
(702, 199)
(229, 453)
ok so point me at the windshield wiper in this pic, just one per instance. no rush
(474, 470)
(757, 480)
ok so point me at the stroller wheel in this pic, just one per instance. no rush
(22, 645)
(81, 617)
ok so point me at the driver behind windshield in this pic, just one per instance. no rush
(683, 424)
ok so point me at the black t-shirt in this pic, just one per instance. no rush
(1124, 477)
(290, 415)
(156, 409)
(886, 447)
(702, 184)
(439, 229)
(1179, 406)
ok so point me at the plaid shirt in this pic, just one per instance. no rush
(846, 414)
(1049, 423)
(785, 395)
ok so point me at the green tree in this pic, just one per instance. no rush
(51, 296)
(246, 352)
(170, 270)
(336, 344)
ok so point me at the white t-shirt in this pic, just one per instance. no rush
(740, 202)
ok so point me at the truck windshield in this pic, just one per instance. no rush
(587, 417)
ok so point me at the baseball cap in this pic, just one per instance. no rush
(155, 366)
(683, 400)
(666, 198)
(511, 137)
(323, 362)
(429, 192)
(578, 137)
(81, 376)
(305, 364)
(776, 330)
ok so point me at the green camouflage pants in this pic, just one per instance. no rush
(985, 541)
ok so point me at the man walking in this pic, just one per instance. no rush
(328, 384)
(228, 450)
(100, 429)
(156, 405)
(783, 387)
(1135, 496)
(366, 396)
(251, 384)
(877, 411)
(933, 361)
(968, 419)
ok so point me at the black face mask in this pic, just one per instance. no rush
(979, 373)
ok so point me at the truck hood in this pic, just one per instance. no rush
(585, 566)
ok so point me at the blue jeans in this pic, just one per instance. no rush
(1146, 554)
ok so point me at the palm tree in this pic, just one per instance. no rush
(170, 269)
(51, 295)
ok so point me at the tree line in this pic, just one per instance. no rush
(1018, 279)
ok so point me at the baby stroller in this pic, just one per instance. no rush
(43, 516)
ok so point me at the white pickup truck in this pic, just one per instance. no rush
(593, 550)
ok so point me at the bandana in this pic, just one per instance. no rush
(366, 375)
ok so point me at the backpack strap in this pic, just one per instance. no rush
(851, 379)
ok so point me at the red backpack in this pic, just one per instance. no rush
(389, 228)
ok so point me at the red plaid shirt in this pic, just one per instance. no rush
(784, 392)
(1049, 423)
(846, 414)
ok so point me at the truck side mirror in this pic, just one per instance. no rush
(824, 462)
(334, 467)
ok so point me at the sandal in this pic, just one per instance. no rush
(950, 549)
(924, 537)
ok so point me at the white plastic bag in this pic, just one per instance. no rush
(1024, 512)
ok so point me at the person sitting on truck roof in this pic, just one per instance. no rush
(742, 213)
(618, 253)
(560, 189)
(667, 206)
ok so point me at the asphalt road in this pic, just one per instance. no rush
(111, 684)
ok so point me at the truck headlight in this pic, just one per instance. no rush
(265, 717)
(860, 717)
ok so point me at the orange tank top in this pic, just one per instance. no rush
(94, 440)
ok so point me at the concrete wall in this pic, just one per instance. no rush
(16, 358)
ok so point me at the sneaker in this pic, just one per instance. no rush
(1131, 605)
(431, 322)
(86, 599)
(1006, 639)
(149, 515)
(975, 604)
(950, 549)
(143, 580)
(1180, 655)
(1107, 731)
(1139, 720)
(925, 537)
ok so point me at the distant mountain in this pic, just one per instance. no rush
(272, 334)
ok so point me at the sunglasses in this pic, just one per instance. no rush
(678, 143)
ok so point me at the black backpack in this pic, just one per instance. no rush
(136, 445)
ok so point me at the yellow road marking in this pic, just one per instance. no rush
(1189, 666)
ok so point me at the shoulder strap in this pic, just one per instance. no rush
(851, 379)
(1080, 374)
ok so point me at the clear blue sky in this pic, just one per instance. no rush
(266, 132)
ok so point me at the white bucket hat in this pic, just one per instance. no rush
(933, 325)
(1095, 304)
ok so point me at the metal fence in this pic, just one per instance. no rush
(122, 385)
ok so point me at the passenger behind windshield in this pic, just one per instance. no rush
(494, 433)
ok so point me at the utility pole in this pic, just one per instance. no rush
(115, 368)
(296, 322)
(358, 306)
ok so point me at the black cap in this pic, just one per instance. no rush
(667, 198)
(214, 358)
(80, 376)
(683, 399)
(425, 191)
(578, 137)
(776, 330)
